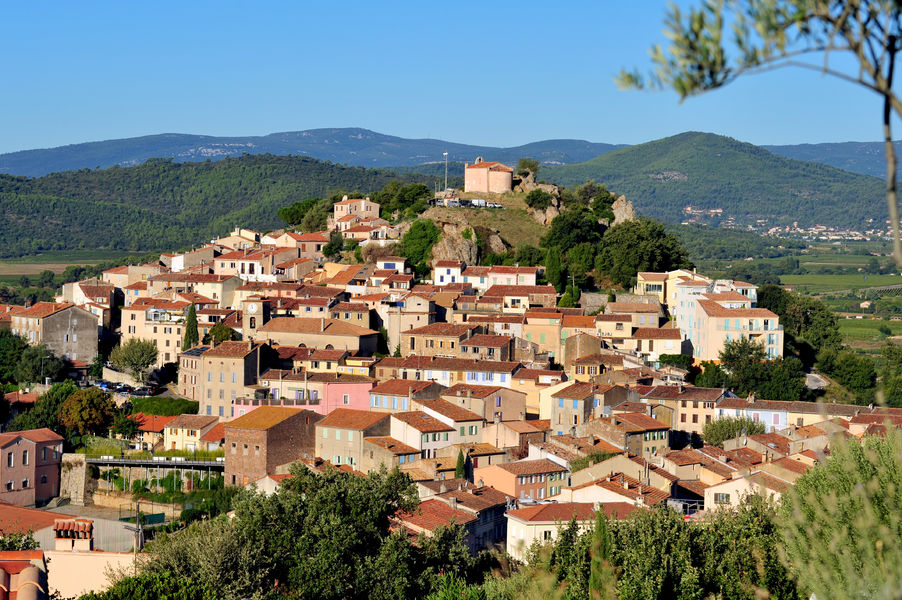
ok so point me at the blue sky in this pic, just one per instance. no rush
(493, 73)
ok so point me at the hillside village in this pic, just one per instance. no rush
(507, 411)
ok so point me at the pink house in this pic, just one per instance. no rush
(319, 392)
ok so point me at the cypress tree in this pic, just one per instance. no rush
(192, 337)
(460, 471)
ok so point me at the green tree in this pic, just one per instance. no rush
(220, 333)
(13, 541)
(527, 165)
(841, 522)
(155, 586)
(460, 471)
(769, 34)
(134, 357)
(192, 337)
(602, 575)
(46, 409)
(640, 245)
(538, 199)
(95, 369)
(716, 431)
(11, 348)
(554, 271)
(125, 426)
(574, 226)
(681, 361)
(417, 243)
(333, 248)
(36, 364)
(46, 278)
(24, 281)
(88, 411)
(294, 214)
(712, 376)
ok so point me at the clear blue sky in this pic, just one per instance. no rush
(494, 73)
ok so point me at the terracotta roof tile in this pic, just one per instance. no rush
(349, 418)
(422, 422)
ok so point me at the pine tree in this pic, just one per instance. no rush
(460, 471)
(192, 337)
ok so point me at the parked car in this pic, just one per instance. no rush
(141, 392)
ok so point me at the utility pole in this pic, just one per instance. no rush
(446, 169)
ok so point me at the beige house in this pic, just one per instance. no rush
(70, 332)
(715, 325)
(340, 435)
(123, 276)
(491, 402)
(184, 432)
(437, 339)
(161, 321)
(226, 373)
(351, 209)
(730, 493)
(322, 333)
(219, 288)
(543, 522)
(488, 177)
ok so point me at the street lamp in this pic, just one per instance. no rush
(445, 154)
(43, 358)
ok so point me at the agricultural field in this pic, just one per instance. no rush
(11, 269)
(865, 334)
(820, 282)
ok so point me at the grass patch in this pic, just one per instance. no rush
(867, 329)
(164, 407)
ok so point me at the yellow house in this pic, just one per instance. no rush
(544, 329)
(184, 432)
(660, 285)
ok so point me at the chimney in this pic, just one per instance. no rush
(442, 488)
(626, 484)
(322, 324)
(76, 535)
(453, 502)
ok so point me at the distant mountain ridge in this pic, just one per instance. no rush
(866, 158)
(353, 146)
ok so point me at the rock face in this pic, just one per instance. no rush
(453, 246)
(495, 244)
(623, 211)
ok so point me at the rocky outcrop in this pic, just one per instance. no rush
(453, 245)
(623, 211)
(494, 243)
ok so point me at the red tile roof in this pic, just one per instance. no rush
(349, 418)
(217, 434)
(433, 513)
(35, 435)
(532, 467)
(422, 422)
(152, 423)
(450, 410)
(487, 341)
(564, 511)
(400, 387)
(391, 444)
(492, 166)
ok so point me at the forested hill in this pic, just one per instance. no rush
(749, 183)
(164, 205)
(352, 145)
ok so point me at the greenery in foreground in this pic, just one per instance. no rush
(836, 534)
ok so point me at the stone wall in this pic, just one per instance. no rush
(75, 482)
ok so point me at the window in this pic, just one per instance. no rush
(346, 399)
(234, 447)
(721, 498)
(695, 418)
(43, 454)
(10, 461)
(325, 433)
(24, 457)
(338, 434)
(350, 436)
(683, 418)
(43, 479)
(24, 484)
(9, 486)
